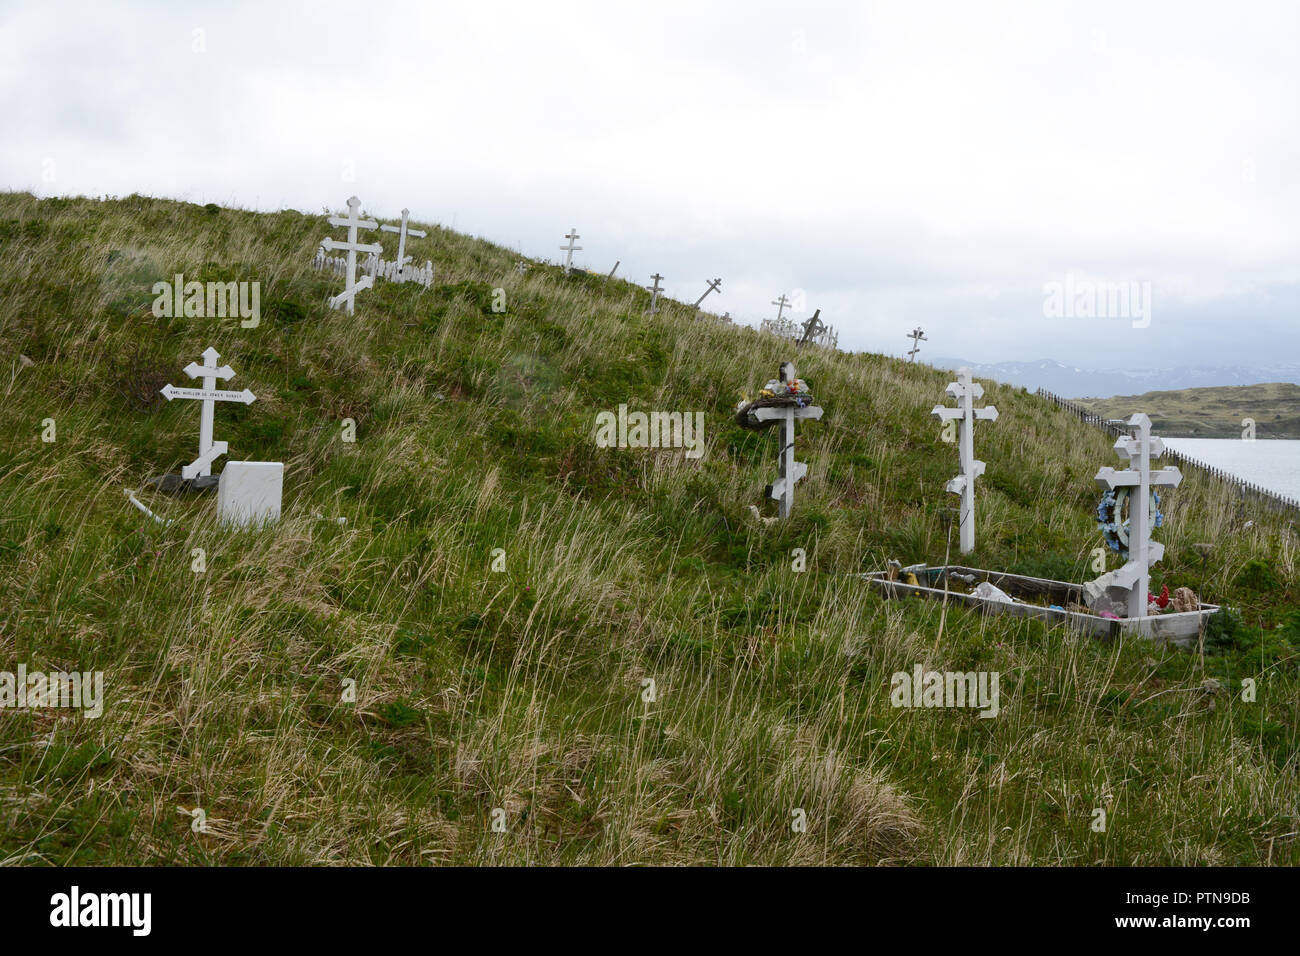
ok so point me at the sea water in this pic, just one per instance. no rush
(1270, 463)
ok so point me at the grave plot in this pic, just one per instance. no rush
(1118, 602)
(248, 492)
(782, 401)
(399, 270)
(1047, 600)
(352, 285)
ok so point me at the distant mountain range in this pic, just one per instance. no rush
(1073, 381)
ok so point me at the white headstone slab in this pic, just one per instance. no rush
(249, 493)
(965, 392)
(353, 222)
(1138, 449)
(788, 470)
(209, 394)
(570, 249)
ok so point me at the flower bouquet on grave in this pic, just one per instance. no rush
(774, 394)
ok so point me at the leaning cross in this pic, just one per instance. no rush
(354, 222)
(714, 284)
(208, 394)
(789, 470)
(1139, 479)
(572, 236)
(812, 328)
(654, 295)
(780, 304)
(403, 232)
(964, 391)
(917, 336)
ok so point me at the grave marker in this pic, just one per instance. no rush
(714, 285)
(208, 395)
(789, 470)
(917, 336)
(570, 249)
(1139, 481)
(780, 304)
(403, 231)
(813, 328)
(353, 222)
(654, 295)
(964, 391)
(249, 493)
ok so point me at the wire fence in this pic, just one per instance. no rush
(1247, 489)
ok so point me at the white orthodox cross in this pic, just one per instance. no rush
(917, 336)
(789, 470)
(654, 295)
(208, 394)
(965, 392)
(780, 304)
(403, 231)
(353, 221)
(572, 236)
(714, 284)
(1138, 450)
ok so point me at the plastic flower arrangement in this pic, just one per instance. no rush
(1112, 529)
(798, 390)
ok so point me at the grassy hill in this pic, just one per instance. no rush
(522, 690)
(1211, 412)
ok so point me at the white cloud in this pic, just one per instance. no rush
(903, 162)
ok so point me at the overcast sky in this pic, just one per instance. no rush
(906, 163)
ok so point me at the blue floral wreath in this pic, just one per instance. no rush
(1112, 529)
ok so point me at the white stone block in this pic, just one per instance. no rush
(249, 493)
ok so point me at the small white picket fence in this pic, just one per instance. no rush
(377, 268)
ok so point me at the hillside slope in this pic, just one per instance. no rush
(525, 690)
(1212, 412)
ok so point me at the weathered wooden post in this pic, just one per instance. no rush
(654, 295)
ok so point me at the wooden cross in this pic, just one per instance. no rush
(917, 336)
(714, 284)
(403, 232)
(572, 236)
(964, 391)
(353, 221)
(812, 328)
(1138, 450)
(654, 295)
(208, 394)
(613, 270)
(780, 304)
(789, 470)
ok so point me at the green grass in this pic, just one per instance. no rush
(1217, 412)
(523, 690)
